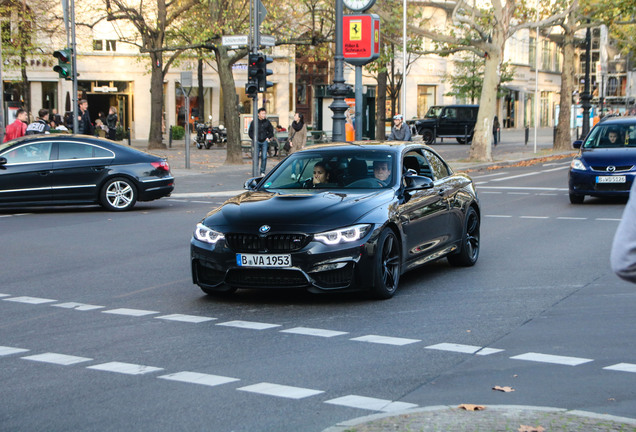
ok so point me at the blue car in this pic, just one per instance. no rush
(606, 163)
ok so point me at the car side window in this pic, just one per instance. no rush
(440, 170)
(415, 161)
(29, 153)
(72, 150)
(450, 114)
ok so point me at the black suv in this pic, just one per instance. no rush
(450, 121)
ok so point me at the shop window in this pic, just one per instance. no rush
(98, 45)
(111, 45)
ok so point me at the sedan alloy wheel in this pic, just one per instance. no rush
(119, 194)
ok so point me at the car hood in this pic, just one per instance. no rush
(620, 156)
(290, 211)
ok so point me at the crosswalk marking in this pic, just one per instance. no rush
(5, 350)
(622, 367)
(314, 332)
(198, 378)
(385, 340)
(280, 390)
(368, 403)
(466, 349)
(5, 295)
(55, 358)
(125, 368)
(130, 312)
(77, 306)
(548, 358)
(248, 325)
(185, 318)
(29, 300)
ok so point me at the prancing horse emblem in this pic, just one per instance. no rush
(264, 229)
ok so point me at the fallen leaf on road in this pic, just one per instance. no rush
(503, 389)
(524, 428)
(471, 407)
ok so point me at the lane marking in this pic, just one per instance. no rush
(491, 192)
(314, 332)
(518, 193)
(248, 325)
(5, 350)
(516, 176)
(78, 306)
(467, 349)
(608, 219)
(498, 216)
(29, 300)
(492, 175)
(125, 368)
(280, 390)
(525, 188)
(207, 194)
(5, 295)
(55, 358)
(198, 378)
(129, 312)
(622, 367)
(185, 318)
(571, 218)
(534, 217)
(372, 404)
(385, 340)
(548, 358)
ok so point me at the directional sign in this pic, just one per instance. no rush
(234, 41)
(261, 13)
(269, 41)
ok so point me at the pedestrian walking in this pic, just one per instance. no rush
(111, 122)
(18, 127)
(495, 130)
(399, 131)
(41, 125)
(84, 125)
(297, 140)
(623, 255)
(264, 134)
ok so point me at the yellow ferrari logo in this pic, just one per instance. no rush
(355, 30)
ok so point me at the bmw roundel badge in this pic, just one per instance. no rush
(264, 229)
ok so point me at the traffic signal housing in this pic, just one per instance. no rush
(257, 73)
(64, 66)
(263, 72)
(251, 88)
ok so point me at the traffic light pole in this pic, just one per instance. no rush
(254, 49)
(74, 65)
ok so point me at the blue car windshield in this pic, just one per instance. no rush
(359, 169)
(611, 136)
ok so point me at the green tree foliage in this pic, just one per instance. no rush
(466, 79)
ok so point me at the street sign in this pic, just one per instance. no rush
(234, 41)
(269, 41)
(261, 13)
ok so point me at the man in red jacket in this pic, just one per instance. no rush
(18, 127)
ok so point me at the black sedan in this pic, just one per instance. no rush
(78, 169)
(339, 217)
(606, 163)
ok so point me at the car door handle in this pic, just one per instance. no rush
(44, 173)
(98, 168)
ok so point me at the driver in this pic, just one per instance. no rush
(612, 136)
(382, 171)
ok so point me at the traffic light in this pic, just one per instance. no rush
(64, 67)
(251, 88)
(263, 72)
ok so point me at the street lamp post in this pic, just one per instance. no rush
(339, 89)
(586, 96)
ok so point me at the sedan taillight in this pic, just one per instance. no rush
(161, 165)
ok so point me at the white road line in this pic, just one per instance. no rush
(516, 176)
(556, 169)
(5, 350)
(571, 218)
(490, 192)
(207, 194)
(202, 202)
(518, 193)
(468, 349)
(498, 216)
(385, 340)
(248, 325)
(547, 194)
(130, 312)
(622, 367)
(534, 217)
(5, 295)
(491, 175)
(29, 300)
(368, 403)
(525, 188)
(125, 368)
(185, 318)
(280, 390)
(547, 358)
(608, 219)
(314, 332)
(60, 359)
(78, 306)
(198, 378)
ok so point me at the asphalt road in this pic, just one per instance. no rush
(101, 328)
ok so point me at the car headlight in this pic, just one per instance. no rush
(577, 165)
(343, 235)
(207, 235)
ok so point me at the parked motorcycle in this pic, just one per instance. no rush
(208, 135)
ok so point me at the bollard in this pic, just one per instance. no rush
(554, 132)
(434, 134)
(466, 134)
(129, 143)
(527, 135)
(170, 137)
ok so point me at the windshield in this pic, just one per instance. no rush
(612, 136)
(433, 112)
(358, 169)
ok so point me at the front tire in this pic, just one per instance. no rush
(118, 194)
(469, 250)
(387, 265)
(576, 199)
(427, 136)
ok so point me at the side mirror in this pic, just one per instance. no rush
(3, 160)
(252, 183)
(577, 144)
(414, 182)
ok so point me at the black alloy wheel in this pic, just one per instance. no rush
(469, 249)
(118, 194)
(388, 263)
(427, 136)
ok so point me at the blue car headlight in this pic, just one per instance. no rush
(207, 235)
(577, 164)
(343, 235)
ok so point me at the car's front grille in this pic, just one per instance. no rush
(270, 243)
(612, 187)
(619, 168)
(266, 278)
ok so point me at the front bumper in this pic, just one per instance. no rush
(584, 183)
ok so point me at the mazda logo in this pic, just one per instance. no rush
(264, 229)
(611, 168)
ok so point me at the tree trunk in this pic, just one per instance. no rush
(563, 139)
(230, 108)
(155, 137)
(380, 115)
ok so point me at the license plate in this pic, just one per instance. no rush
(610, 179)
(209, 136)
(263, 260)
